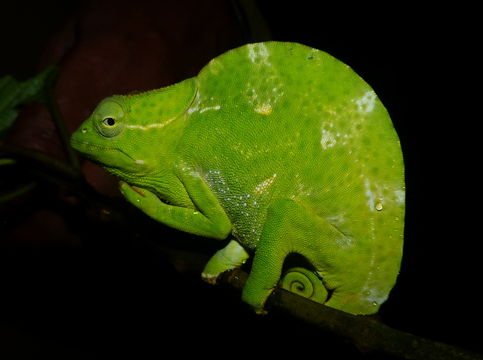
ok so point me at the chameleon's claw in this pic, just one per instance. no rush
(261, 312)
(209, 278)
(226, 259)
(139, 191)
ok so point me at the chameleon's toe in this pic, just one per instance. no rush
(256, 299)
(228, 258)
(261, 312)
(209, 278)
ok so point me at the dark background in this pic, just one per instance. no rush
(109, 295)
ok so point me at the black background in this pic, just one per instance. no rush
(103, 301)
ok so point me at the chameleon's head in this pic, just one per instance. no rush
(128, 134)
(103, 137)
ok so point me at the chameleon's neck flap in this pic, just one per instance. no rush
(159, 107)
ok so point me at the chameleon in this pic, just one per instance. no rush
(274, 148)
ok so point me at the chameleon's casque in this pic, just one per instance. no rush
(278, 148)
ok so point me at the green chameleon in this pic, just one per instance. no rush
(278, 148)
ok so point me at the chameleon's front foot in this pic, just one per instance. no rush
(228, 258)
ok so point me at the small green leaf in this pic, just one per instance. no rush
(7, 118)
(7, 161)
(35, 89)
(9, 88)
(14, 93)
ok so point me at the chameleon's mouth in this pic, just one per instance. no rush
(82, 145)
(95, 151)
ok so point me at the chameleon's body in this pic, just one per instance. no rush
(279, 145)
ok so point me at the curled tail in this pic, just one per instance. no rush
(305, 283)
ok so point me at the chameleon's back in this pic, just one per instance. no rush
(282, 120)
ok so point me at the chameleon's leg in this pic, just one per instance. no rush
(207, 219)
(230, 257)
(289, 228)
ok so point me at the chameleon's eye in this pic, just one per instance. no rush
(110, 127)
(109, 121)
(109, 118)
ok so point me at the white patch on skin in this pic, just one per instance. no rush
(336, 220)
(141, 162)
(196, 104)
(373, 296)
(262, 92)
(400, 196)
(215, 66)
(343, 241)
(149, 126)
(370, 195)
(367, 102)
(210, 108)
(207, 103)
(265, 184)
(258, 53)
(328, 139)
(264, 109)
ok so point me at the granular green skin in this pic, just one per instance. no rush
(277, 146)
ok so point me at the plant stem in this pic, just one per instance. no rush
(54, 110)
(17, 192)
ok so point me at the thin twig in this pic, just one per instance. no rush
(53, 107)
(23, 189)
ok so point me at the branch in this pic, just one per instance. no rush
(365, 332)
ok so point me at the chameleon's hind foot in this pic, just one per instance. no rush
(230, 257)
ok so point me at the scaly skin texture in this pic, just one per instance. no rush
(278, 146)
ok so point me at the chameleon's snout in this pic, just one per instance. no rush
(81, 137)
(74, 138)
